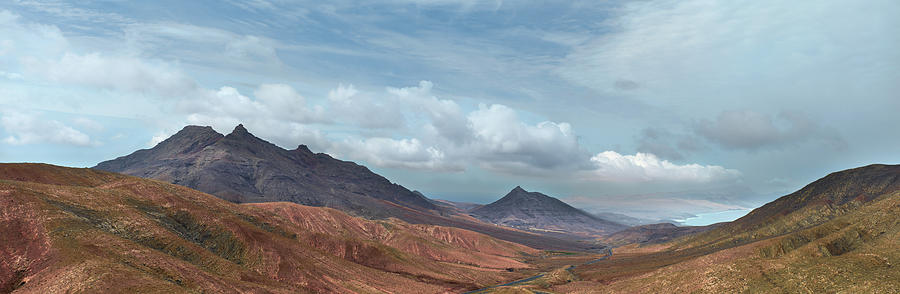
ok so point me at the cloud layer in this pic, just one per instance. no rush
(29, 128)
(645, 167)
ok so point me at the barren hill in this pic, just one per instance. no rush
(83, 230)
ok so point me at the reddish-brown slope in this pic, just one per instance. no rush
(444, 244)
(113, 233)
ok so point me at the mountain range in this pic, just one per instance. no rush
(243, 168)
(292, 221)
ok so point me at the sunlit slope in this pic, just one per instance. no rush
(65, 229)
(816, 203)
(837, 234)
(854, 253)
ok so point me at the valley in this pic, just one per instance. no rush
(88, 230)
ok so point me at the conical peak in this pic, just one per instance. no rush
(241, 133)
(518, 189)
(303, 148)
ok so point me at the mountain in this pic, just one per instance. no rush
(85, 230)
(243, 168)
(538, 212)
(822, 200)
(839, 234)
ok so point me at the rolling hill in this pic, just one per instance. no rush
(85, 230)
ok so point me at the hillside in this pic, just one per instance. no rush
(538, 212)
(831, 196)
(839, 234)
(652, 234)
(852, 253)
(85, 230)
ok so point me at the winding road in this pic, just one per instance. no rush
(532, 278)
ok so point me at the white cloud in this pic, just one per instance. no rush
(29, 128)
(158, 137)
(645, 167)
(717, 52)
(217, 48)
(666, 144)
(18, 38)
(363, 109)
(10, 75)
(271, 102)
(114, 72)
(446, 118)
(427, 132)
(283, 102)
(659, 206)
(750, 130)
(501, 138)
(89, 124)
(403, 153)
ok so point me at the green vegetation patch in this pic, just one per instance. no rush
(267, 226)
(219, 241)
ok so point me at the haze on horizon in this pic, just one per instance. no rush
(658, 109)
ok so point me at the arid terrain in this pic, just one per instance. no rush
(83, 230)
(838, 234)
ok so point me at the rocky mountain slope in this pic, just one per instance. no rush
(822, 200)
(243, 168)
(83, 230)
(538, 212)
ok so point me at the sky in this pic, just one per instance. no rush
(658, 109)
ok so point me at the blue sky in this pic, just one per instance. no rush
(658, 109)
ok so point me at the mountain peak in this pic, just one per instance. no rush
(518, 189)
(194, 129)
(189, 139)
(303, 149)
(240, 133)
(239, 129)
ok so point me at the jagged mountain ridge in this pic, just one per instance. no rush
(240, 167)
(538, 212)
